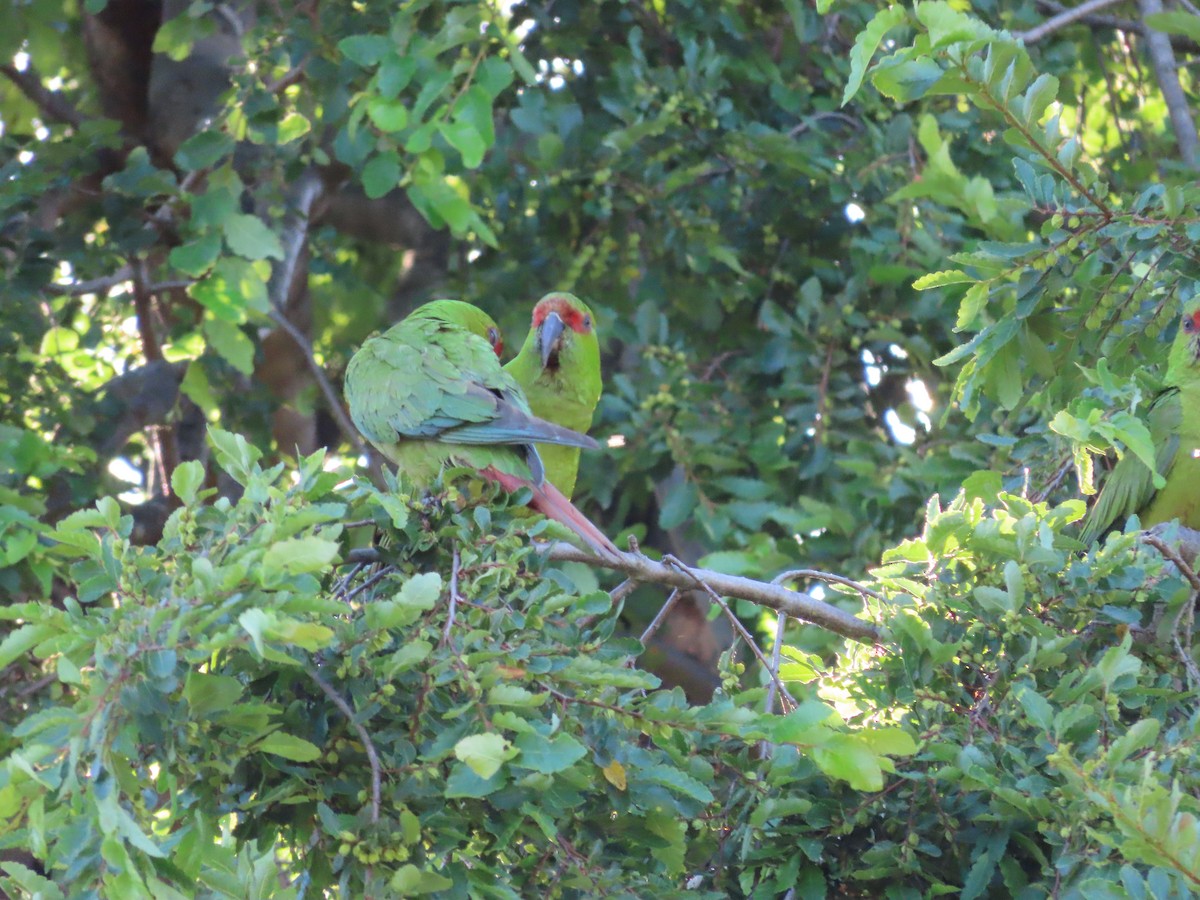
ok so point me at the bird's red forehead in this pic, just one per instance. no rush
(572, 317)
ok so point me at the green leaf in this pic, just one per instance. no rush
(865, 45)
(289, 747)
(1141, 734)
(234, 453)
(59, 341)
(19, 642)
(678, 507)
(293, 126)
(231, 343)
(248, 236)
(204, 150)
(395, 73)
(232, 288)
(196, 257)
(463, 782)
(381, 174)
(409, 881)
(905, 80)
(388, 115)
(941, 279)
(296, 555)
(464, 138)
(1181, 22)
(1036, 707)
(484, 753)
(948, 25)
(186, 480)
(548, 755)
(680, 782)
(846, 758)
(365, 49)
(206, 693)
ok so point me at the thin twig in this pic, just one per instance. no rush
(94, 286)
(52, 104)
(304, 195)
(736, 622)
(331, 395)
(455, 563)
(1065, 18)
(796, 604)
(285, 81)
(623, 590)
(1172, 554)
(1166, 72)
(829, 578)
(386, 570)
(344, 583)
(658, 619)
(776, 649)
(368, 745)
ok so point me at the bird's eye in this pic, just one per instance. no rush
(587, 322)
(493, 335)
(1189, 324)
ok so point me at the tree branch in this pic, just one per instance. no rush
(52, 104)
(796, 604)
(1166, 71)
(1065, 18)
(641, 568)
(363, 735)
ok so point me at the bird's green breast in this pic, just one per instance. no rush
(1180, 496)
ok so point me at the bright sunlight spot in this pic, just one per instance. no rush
(904, 434)
(872, 372)
(121, 468)
(616, 440)
(918, 393)
(854, 213)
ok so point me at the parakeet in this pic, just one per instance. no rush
(430, 393)
(558, 368)
(1174, 423)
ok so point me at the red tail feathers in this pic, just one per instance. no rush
(553, 504)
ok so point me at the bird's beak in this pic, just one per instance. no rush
(550, 336)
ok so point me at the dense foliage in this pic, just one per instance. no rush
(860, 275)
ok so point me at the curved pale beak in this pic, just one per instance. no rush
(549, 336)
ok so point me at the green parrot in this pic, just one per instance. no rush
(559, 370)
(1174, 423)
(430, 393)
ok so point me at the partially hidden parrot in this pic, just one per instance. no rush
(558, 368)
(1174, 423)
(429, 393)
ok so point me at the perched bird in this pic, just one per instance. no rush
(430, 393)
(558, 368)
(1174, 423)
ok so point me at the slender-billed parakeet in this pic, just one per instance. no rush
(430, 393)
(559, 370)
(1174, 423)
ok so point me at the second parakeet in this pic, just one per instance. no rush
(1174, 423)
(558, 368)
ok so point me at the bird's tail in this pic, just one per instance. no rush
(553, 504)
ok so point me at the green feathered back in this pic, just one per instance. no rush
(1174, 423)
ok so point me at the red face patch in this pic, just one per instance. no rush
(575, 319)
(1191, 324)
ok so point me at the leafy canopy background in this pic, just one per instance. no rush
(861, 275)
